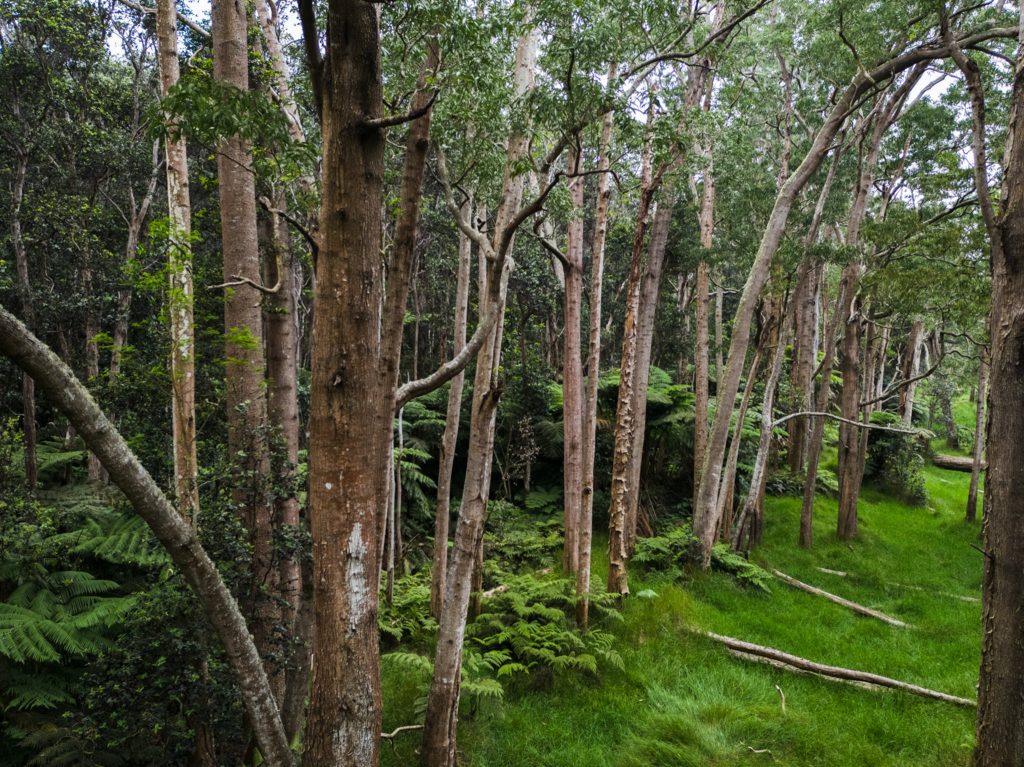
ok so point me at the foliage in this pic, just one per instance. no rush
(895, 461)
(407, 618)
(678, 550)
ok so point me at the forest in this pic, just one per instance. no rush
(615, 383)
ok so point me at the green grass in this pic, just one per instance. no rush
(683, 700)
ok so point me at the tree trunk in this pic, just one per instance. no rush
(979, 438)
(817, 433)
(751, 520)
(351, 402)
(446, 461)
(439, 734)
(572, 374)
(593, 368)
(245, 369)
(180, 292)
(727, 389)
(649, 291)
(136, 218)
(28, 386)
(180, 540)
(908, 369)
(850, 466)
(1000, 738)
(94, 471)
(702, 340)
(625, 409)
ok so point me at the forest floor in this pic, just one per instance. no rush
(684, 700)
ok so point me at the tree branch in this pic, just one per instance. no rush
(860, 424)
(392, 120)
(203, 33)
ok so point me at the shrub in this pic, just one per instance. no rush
(895, 461)
(678, 550)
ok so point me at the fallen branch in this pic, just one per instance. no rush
(837, 573)
(784, 660)
(839, 600)
(956, 462)
(399, 730)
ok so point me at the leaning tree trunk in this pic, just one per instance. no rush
(593, 368)
(572, 373)
(173, 532)
(979, 438)
(705, 516)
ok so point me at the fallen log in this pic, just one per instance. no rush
(839, 600)
(782, 659)
(956, 462)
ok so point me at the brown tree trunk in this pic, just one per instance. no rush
(1000, 738)
(180, 540)
(572, 373)
(702, 340)
(245, 369)
(351, 402)
(593, 368)
(979, 438)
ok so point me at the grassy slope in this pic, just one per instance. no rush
(683, 700)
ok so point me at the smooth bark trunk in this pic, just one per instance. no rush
(173, 532)
(593, 368)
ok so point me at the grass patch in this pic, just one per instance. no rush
(683, 700)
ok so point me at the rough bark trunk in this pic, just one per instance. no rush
(593, 367)
(702, 340)
(572, 374)
(351, 401)
(180, 540)
(979, 438)
(1000, 738)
